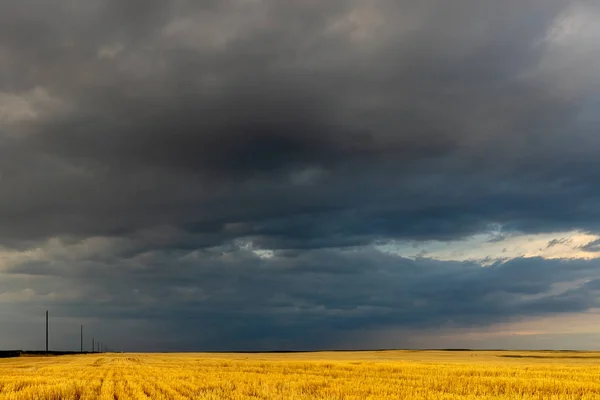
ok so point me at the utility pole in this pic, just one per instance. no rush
(93, 348)
(82, 338)
(46, 331)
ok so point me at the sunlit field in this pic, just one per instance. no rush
(327, 375)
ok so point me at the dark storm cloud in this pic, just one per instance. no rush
(313, 299)
(308, 128)
(311, 124)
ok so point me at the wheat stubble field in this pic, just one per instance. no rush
(327, 375)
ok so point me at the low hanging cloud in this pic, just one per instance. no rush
(593, 246)
(163, 130)
(237, 298)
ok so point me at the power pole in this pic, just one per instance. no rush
(82, 338)
(46, 331)
(93, 348)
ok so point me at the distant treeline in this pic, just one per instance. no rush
(31, 353)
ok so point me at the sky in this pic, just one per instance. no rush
(182, 175)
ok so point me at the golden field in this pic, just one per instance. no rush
(322, 375)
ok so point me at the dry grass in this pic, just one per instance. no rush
(348, 375)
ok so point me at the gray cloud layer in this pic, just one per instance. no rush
(229, 298)
(180, 127)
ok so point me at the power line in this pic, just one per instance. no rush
(46, 331)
